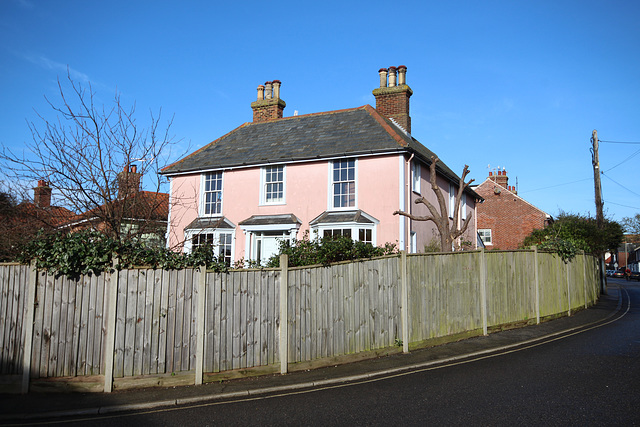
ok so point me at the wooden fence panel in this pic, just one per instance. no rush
(336, 310)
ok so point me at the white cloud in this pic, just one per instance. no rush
(58, 67)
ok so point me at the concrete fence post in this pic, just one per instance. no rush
(284, 313)
(483, 291)
(110, 322)
(27, 326)
(404, 286)
(200, 316)
(537, 282)
(568, 267)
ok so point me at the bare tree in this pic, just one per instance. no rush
(449, 230)
(93, 157)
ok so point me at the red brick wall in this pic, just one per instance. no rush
(393, 102)
(509, 217)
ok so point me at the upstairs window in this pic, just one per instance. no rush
(273, 185)
(344, 184)
(212, 195)
(452, 199)
(415, 177)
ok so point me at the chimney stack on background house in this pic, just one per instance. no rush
(42, 194)
(129, 182)
(502, 179)
(269, 106)
(392, 98)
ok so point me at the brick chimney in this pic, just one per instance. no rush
(129, 182)
(501, 179)
(392, 97)
(269, 106)
(42, 194)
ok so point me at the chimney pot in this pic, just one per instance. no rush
(268, 88)
(134, 168)
(260, 93)
(276, 89)
(392, 76)
(402, 75)
(383, 77)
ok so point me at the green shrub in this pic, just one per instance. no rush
(327, 250)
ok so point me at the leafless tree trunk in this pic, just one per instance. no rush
(84, 151)
(449, 230)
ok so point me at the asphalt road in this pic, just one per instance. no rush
(586, 378)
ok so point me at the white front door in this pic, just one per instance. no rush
(267, 244)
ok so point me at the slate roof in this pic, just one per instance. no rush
(271, 220)
(328, 217)
(352, 132)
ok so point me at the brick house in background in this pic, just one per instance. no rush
(19, 224)
(504, 218)
(332, 173)
(141, 213)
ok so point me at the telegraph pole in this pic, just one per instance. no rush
(596, 179)
(599, 204)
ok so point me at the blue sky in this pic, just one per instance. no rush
(511, 84)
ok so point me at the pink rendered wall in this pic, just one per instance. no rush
(306, 196)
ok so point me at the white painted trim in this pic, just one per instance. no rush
(168, 234)
(263, 195)
(201, 212)
(402, 201)
(330, 206)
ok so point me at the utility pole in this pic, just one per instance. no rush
(596, 178)
(599, 204)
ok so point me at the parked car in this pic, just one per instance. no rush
(633, 275)
(609, 273)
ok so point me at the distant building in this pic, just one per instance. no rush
(504, 218)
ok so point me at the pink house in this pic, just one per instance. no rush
(333, 173)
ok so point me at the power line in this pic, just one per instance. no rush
(620, 142)
(628, 158)
(618, 204)
(553, 186)
(615, 182)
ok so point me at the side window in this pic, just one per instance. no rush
(452, 199)
(415, 177)
(485, 235)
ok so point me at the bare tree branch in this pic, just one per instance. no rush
(83, 152)
(449, 230)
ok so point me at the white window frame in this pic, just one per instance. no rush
(354, 227)
(413, 242)
(463, 206)
(264, 183)
(415, 177)
(331, 198)
(483, 232)
(216, 232)
(452, 199)
(203, 194)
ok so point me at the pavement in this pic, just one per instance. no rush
(32, 407)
